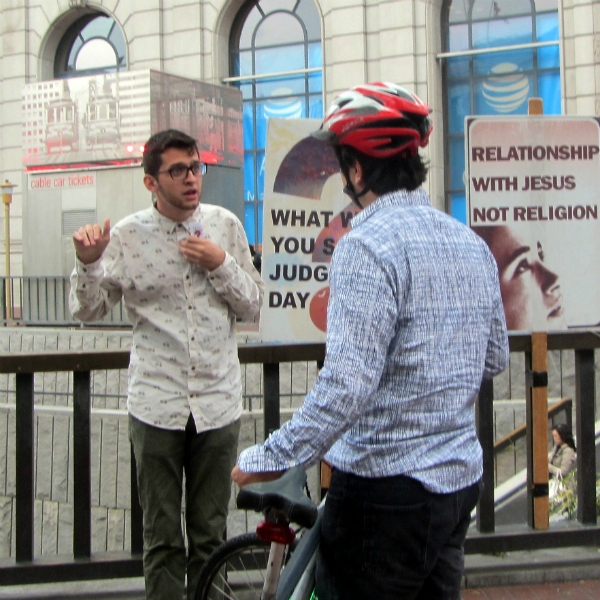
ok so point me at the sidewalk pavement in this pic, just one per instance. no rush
(133, 589)
(573, 590)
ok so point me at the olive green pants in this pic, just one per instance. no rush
(162, 457)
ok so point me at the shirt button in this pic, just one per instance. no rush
(193, 368)
(192, 338)
(187, 276)
(190, 307)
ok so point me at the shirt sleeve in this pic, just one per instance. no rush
(497, 354)
(236, 280)
(94, 287)
(361, 316)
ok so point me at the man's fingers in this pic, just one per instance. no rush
(91, 233)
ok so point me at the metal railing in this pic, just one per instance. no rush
(24, 567)
(44, 302)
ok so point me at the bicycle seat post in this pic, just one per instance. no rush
(276, 555)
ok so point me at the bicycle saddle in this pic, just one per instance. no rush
(285, 494)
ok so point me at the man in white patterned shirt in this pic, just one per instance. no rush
(414, 323)
(185, 273)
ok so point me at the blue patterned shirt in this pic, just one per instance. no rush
(415, 322)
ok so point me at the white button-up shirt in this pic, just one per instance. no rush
(184, 354)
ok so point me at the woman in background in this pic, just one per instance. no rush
(562, 459)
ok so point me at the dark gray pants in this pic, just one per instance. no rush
(162, 456)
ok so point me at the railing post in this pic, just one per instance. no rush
(485, 430)
(25, 489)
(536, 365)
(585, 402)
(82, 480)
(271, 397)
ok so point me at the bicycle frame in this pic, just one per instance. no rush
(297, 580)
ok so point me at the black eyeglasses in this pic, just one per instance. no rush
(181, 171)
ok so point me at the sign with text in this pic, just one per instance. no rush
(305, 215)
(66, 180)
(533, 187)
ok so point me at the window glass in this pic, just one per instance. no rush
(548, 57)
(496, 10)
(547, 28)
(252, 20)
(93, 44)
(458, 207)
(248, 112)
(96, 54)
(315, 55)
(99, 27)
(459, 66)
(276, 60)
(250, 222)
(495, 83)
(457, 150)
(274, 36)
(278, 28)
(315, 82)
(315, 107)
(549, 92)
(458, 38)
(501, 67)
(260, 174)
(503, 98)
(459, 98)
(281, 86)
(249, 187)
(506, 32)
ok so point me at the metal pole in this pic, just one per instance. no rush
(7, 256)
(7, 189)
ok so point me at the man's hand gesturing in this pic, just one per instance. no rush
(90, 241)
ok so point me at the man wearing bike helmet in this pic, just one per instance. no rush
(415, 322)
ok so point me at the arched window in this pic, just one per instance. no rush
(93, 44)
(498, 53)
(276, 62)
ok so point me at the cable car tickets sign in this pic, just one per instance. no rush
(533, 192)
(305, 215)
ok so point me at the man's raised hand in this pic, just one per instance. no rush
(90, 241)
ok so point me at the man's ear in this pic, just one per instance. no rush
(150, 183)
(359, 172)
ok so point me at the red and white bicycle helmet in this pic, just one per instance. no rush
(378, 119)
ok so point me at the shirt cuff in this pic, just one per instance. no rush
(88, 270)
(222, 272)
(257, 459)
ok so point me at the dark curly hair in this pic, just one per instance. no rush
(384, 175)
(161, 141)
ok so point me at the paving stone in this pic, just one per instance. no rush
(60, 458)
(49, 531)
(65, 528)
(99, 528)
(115, 535)
(44, 447)
(6, 510)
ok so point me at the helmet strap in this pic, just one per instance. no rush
(349, 188)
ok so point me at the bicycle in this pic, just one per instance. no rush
(269, 564)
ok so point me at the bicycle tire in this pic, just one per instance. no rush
(235, 571)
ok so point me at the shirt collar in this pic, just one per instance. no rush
(417, 197)
(170, 226)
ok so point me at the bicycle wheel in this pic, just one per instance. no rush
(235, 571)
